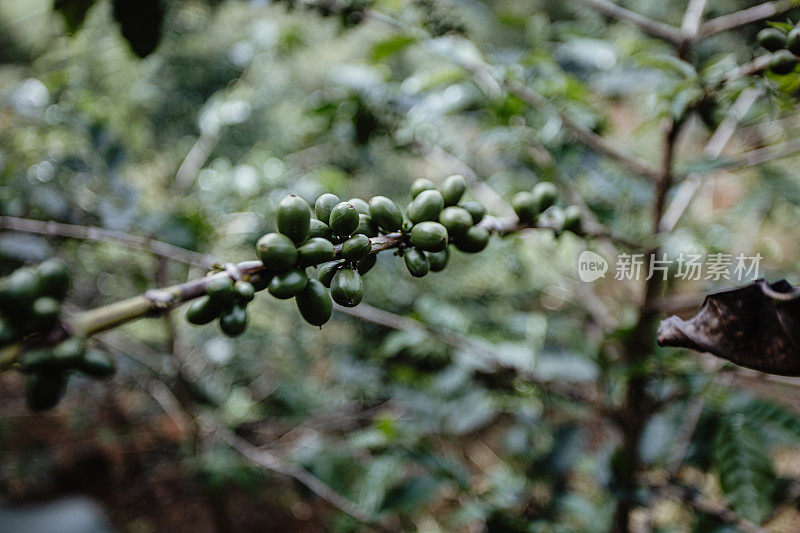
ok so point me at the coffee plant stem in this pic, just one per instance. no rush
(156, 302)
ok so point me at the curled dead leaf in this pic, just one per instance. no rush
(756, 326)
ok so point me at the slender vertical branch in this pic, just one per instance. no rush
(638, 407)
(693, 17)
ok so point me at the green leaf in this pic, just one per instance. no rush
(392, 46)
(774, 416)
(409, 494)
(744, 467)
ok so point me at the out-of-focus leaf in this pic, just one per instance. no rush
(774, 416)
(391, 46)
(670, 64)
(754, 326)
(73, 12)
(409, 494)
(745, 471)
(140, 22)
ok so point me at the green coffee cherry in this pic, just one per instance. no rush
(572, 219)
(327, 271)
(366, 263)
(426, 206)
(421, 184)
(385, 214)
(233, 321)
(429, 236)
(545, 195)
(202, 311)
(772, 39)
(347, 288)
(54, 278)
(261, 280)
(782, 62)
(475, 209)
(457, 220)
(314, 303)
(243, 291)
(438, 260)
(356, 247)
(344, 219)
(18, 291)
(44, 391)
(44, 313)
(276, 251)
(324, 205)
(526, 206)
(294, 218)
(37, 360)
(318, 229)
(220, 290)
(315, 251)
(453, 189)
(97, 364)
(361, 206)
(69, 353)
(474, 240)
(793, 41)
(366, 226)
(288, 284)
(416, 262)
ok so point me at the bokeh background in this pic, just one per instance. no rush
(424, 408)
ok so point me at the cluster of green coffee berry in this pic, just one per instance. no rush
(335, 236)
(226, 300)
(529, 206)
(337, 240)
(784, 44)
(30, 306)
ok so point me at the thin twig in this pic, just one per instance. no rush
(654, 27)
(270, 461)
(713, 149)
(93, 233)
(593, 141)
(744, 17)
(257, 456)
(754, 66)
(390, 320)
(762, 155)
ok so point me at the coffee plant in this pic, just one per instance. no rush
(421, 177)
